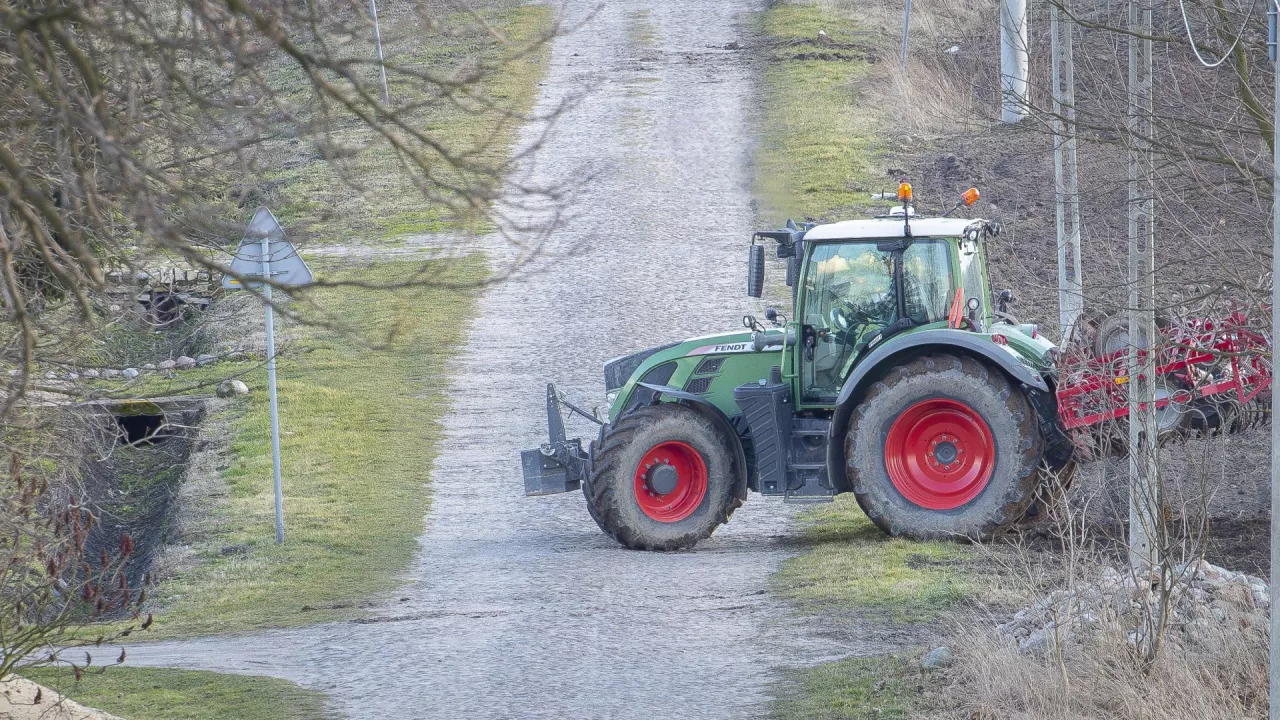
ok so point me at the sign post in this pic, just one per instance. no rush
(265, 253)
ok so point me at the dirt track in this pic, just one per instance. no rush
(521, 607)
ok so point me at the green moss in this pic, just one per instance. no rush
(146, 694)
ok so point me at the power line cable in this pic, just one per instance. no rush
(1186, 23)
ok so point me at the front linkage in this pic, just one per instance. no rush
(559, 465)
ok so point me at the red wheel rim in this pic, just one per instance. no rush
(670, 481)
(940, 454)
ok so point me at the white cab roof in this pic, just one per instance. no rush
(891, 227)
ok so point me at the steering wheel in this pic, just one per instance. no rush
(838, 319)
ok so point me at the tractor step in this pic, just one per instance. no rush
(791, 452)
(807, 499)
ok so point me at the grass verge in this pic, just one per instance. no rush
(819, 154)
(371, 194)
(888, 688)
(360, 416)
(849, 563)
(361, 399)
(146, 694)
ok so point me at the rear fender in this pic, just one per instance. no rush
(898, 351)
(716, 416)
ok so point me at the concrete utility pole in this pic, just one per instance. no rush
(1066, 184)
(906, 33)
(1013, 60)
(1272, 31)
(1144, 484)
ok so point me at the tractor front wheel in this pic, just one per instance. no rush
(944, 447)
(661, 478)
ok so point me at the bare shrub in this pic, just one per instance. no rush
(51, 583)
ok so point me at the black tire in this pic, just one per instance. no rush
(615, 457)
(977, 389)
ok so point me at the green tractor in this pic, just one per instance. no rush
(894, 378)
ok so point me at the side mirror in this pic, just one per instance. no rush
(755, 271)
(793, 271)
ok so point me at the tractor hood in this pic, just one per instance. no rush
(730, 343)
(675, 364)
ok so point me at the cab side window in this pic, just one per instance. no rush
(849, 297)
(926, 275)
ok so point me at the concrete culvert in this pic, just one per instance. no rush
(141, 429)
(140, 422)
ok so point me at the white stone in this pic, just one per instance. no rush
(232, 387)
(91, 373)
(130, 373)
(938, 657)
(1036, 642)
(184, 362)
(149, 366)
(166, 365)
(111, 373)
(205, 359)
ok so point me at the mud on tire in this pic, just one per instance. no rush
(620, 453)
(973, 388)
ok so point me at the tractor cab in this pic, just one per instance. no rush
(856, 284)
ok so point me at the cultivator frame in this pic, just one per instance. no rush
(1215, 373)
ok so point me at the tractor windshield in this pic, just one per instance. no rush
(850, 296)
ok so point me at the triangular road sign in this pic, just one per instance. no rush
(287, 266)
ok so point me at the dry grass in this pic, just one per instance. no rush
(1100, 680)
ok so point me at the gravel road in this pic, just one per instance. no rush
(521, 607)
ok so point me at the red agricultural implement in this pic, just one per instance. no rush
(1212, 376)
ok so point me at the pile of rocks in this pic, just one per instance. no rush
(167, 367)
(1204, 600)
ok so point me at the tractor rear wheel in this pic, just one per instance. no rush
(944, 447)
(661, 477)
